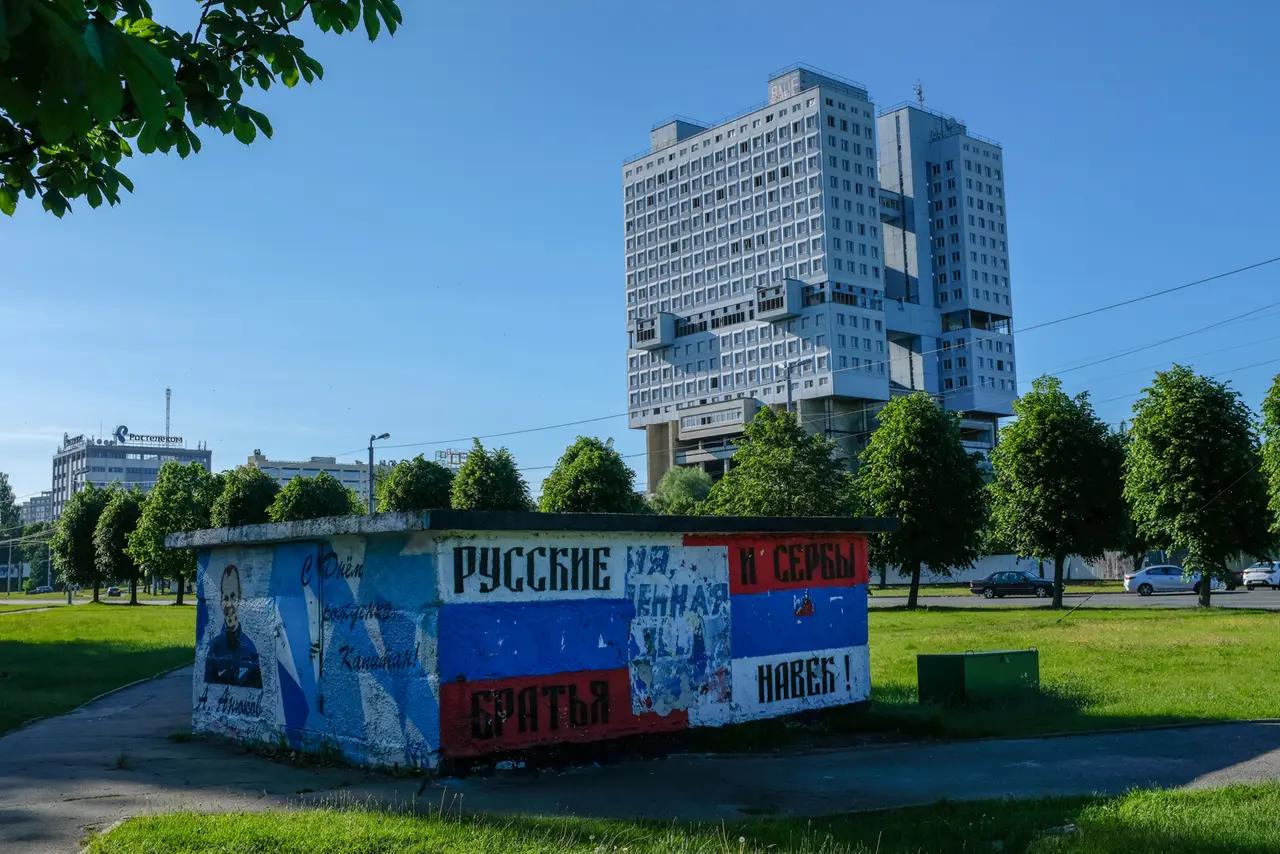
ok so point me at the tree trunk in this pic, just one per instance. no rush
(913, 597)
(133, 590)
(1138, 558)
(884, 576)
(95, 591)
(1205, 589)
(1058, 561)
(181, 585)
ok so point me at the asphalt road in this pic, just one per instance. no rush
(1268, 600)
(65, 776)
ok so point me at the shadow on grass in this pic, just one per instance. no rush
(53, 677)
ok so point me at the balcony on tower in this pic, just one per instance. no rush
(779, 302)
(654, 333)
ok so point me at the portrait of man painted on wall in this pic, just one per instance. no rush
(232, 658)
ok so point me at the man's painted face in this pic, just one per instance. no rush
(231, 600)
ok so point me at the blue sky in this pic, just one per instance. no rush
(431, 245)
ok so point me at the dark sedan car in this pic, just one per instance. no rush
(1011, 583)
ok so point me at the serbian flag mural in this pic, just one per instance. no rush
(562, 637)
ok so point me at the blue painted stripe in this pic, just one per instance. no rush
(766, 623)
(498, 640)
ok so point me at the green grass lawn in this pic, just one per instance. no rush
(1099, 668)
(1144, 822)
(57, 659)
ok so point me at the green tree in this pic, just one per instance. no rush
(314, 498)
(681, 491)
(1271, 451)
(118, 520)
(36, 551)
(915, 470)
(84, 84)
(74, 556)
(416, 484)
(1194, 478)
(489, 481)
(247, 492)
(10, 516)
(179, 501)
(779, 470)
(590, 477)
(1056, 481)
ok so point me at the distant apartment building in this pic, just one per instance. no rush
(130, 459)
(354, 475)
(787, 256)
(38, 508)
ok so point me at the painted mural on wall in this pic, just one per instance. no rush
(401, 648)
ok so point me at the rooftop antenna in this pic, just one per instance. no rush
(919, 90)
(168, 395)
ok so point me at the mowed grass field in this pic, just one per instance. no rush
(56, 659)
(1099, 668)
(1145, 822)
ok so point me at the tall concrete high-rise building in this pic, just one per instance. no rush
(765, 266)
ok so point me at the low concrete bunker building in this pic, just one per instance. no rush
(404, 639)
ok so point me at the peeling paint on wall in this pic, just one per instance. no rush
(398, 648)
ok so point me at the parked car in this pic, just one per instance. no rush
(1264, 573)
(113, 591)
(1164, 579)
(1011, 583)
(43, 589)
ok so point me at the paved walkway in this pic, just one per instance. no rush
(62, 777)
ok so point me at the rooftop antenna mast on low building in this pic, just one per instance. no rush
(919, 90)
(168, 396)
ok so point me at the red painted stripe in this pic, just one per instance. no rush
(510, 714)
(762, 562)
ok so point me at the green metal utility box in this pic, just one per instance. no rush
(994, 675)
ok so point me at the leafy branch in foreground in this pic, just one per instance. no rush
(83, 83)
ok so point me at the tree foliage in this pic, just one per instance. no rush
(247, 492)
(489, 481)
(10, 516)
(915, 470)
(314, 498)
(84, 84)
(1271, 452)
(118, 520)
(1193, 477)
(416, 484)
(681, 491)
(74, 556)
(180, 500)
(1056, 487)
(590, 477)
(36, 551)
(779, 470)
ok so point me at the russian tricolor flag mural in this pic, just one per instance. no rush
(446, 635)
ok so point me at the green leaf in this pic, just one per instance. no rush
(57, 119)
(104, 94)
(244, 130)
(263, 123)
(146, 93)
(371, 23)
(97, 42)
(8, 200)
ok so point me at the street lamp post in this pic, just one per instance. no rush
(373, 439)
(788, 368)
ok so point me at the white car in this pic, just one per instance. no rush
(1164, 579)
(1264, 573)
